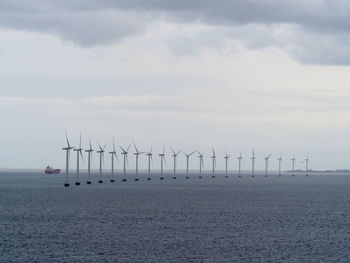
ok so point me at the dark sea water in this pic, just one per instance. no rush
(273, 219)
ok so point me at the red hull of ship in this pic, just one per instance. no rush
(56, 171)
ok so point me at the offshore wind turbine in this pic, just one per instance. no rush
(214, 162)
(307, 165)
(67, 149)
(137, 154)
(253, 163)
(201, 163)
(279, 165)
(174, 155)
(240, 158)
(125, 157)
(293, 165)
(162, 158)
(113, 154)
(150, 157)
(79, 152)
(101, 152)
(266, 164)
(226, 161)
(188, 160)
(89, 151)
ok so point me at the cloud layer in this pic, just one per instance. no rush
(306, 29)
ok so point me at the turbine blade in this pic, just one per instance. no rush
(128, 148)
(104, 147)
(122, 149)
(172, 150)
(116, 156)
(80, 141)
(137, 150)
(191, 153)
(164, 160)
(164, 149)
(67, 139)
(82, 157)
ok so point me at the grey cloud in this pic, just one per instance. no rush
(92, 22)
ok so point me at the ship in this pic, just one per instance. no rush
(50, 170)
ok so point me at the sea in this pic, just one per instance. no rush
(222, 219)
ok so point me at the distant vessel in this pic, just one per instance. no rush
(50, 170)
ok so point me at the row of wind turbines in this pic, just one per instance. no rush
(125, 151)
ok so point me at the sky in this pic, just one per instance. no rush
(268, 75)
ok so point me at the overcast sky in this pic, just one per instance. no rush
(195, 74)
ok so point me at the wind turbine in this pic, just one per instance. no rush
(89, 151)
(174, 155)
(113, 154)
(150, 157)
(214, 162)
(67, 149)
(293, 165)
(266, 164)
(125, 157)
(79, 152)
(253, 163)
(307, 165)
(279, 165)
(162, 158)
(101, 152)
(137, 154)
(240, 158)
(201, 163)
(226, 161)
(188, 160)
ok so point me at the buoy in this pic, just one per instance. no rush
(66, 185)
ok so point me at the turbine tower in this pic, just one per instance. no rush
(240, 158)
(253, 163)
(125, 157)
(226, 161)
(279, 165)
(307, 165)
(79, 152)
(162, 158)
(113, 154)
(293, 165)
(89, 151)
(137, 154)
(101, 152)
(214, 162)
(150, 157)
(67, 149)
(174, 155)
(201, 163)
(188, 160)
(266, 164)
